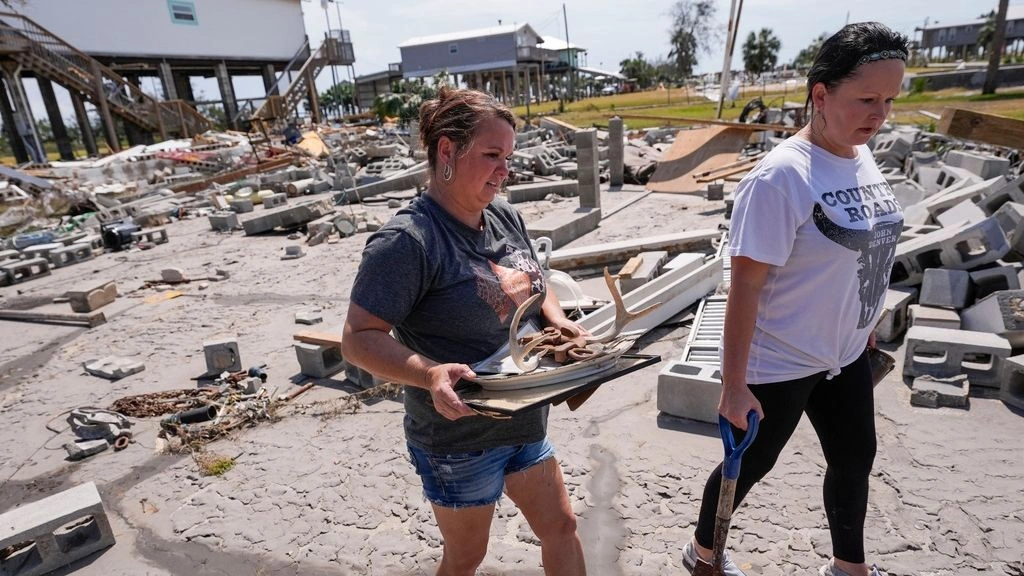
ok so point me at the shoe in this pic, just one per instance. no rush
(830, 570)
(690, 559)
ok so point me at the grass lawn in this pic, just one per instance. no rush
(679, 103)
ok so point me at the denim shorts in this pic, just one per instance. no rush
(474, 478)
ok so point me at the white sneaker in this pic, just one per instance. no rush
(831, 570)
(690, 559)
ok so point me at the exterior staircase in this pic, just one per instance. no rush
(278, 107)
(36, 49)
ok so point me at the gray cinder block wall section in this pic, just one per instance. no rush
(616, 152)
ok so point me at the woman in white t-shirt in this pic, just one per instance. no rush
(814, 233)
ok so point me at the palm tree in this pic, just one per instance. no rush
(996, 53)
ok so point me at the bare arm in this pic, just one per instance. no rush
(367, 343)
(555, 316)
(748, 278)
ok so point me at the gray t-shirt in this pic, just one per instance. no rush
(450, 292)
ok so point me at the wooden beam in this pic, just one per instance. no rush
(740, 125)
(318, 338)
(611, 252)
(90, 319)
(981, 127)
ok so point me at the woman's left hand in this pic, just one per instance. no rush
(565, 323)
(871, 340)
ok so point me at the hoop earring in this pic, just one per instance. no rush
(814, 129)
(446, 174)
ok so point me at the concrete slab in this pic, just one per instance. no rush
(932, 392)
(564, 228)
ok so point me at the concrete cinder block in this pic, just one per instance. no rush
(319, 361)
(114, 367)
(72, 254)
(895, 313)
(690, 391)
(966, 212)
(918, 315)
(274, 200)
(931, 392)
(1011, 390)
(945, 288)
(93, 297)
(1010, 217)
(649, 268)
(989, 280)
(17, 271)
(224, 221)
(944, 353)
(221, 356)
(54, 531)
(361, 377)
(984, 165)
(716, 191)
(1000, 313)
(241, 206)
(960, 248)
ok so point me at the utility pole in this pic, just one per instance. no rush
(327, 36)
(568, 54)
(730, 42)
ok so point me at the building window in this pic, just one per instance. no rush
(453, 48)
(183, 12)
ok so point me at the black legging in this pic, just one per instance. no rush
(842, 413)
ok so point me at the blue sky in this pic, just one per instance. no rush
(610, 30)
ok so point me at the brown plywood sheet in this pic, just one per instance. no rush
(696, 151)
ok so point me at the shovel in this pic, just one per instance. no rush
(730, 472)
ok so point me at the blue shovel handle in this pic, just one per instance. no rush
(733, 453)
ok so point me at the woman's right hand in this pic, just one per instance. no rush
(440, 382)
(737, 401)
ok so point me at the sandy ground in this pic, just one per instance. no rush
(336, 495)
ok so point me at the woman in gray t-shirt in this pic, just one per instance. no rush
(446, 275)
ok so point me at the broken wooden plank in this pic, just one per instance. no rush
(319, 338)
(612, 252)
(982, 127)
(631, 266)
(90, 319)
(725, 174)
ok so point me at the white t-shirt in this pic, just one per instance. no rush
(828, 226)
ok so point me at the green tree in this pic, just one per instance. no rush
(761, 52)
(987, 32)
(693, 32)
(805, 57)
(638, 69)
(339, 98)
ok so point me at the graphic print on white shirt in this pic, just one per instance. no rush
(876, 247)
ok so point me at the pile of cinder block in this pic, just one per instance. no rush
(955, 290)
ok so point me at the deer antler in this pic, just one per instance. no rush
(518, 351)
(622, 316)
